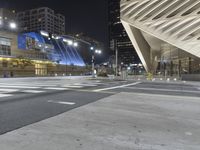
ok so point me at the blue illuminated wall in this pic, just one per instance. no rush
(22, 41)
(61, 52)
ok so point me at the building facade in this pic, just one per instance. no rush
(38, 54)
(118, 35)
(165, 34)
(42, 18)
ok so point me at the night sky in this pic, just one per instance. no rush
(87, 16)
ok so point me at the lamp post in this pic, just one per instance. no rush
(92, 49)
(93, 59)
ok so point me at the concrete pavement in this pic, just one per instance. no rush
(125, 121)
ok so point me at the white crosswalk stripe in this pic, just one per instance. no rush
(11, 89)
(17, 86)
(72, 86)
(32, 91)
(54, 88)
(8, 90)
(5, 95)
(83, 84)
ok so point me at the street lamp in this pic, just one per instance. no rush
(75, 44)
(93, 59)
(44, 33)
(98, 51)
(70, 42)
(12, 25)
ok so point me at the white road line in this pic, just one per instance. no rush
(32, 91)
(5, 95)
(28, 84)
(60, 102)
(72, 86)
(84, 84)
(20, 87)
(116, 87)
(52, 88)
(9, 90)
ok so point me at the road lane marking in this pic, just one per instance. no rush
(19, 87)
(32, 84)
(52, 88)
(90, 91)
(116, 87)
(72, 86)
(8, 90)
(5, 95)
(61, 102)
(84, 84)
(32, 91)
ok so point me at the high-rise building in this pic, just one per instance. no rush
(42, 18)
(127, 54)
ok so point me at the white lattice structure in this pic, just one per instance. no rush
(176, 22)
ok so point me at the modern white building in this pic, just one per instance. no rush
(165, 34)
(42, 18)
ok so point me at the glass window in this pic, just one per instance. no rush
(5, 50)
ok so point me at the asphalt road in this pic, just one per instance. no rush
(28, 100)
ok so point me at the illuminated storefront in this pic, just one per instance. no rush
(33, 54)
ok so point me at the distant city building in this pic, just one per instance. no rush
(127, 54)
(42, 18)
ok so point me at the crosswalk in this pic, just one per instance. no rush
(11, 89)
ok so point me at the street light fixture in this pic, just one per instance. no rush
(91, 48)
(98, 51)
(70, 42)
(93, 59)
(13, 25)
(75, 44)
(44, 33)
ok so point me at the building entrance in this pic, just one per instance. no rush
(40, 69)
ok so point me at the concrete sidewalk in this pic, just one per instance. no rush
(126, 121)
